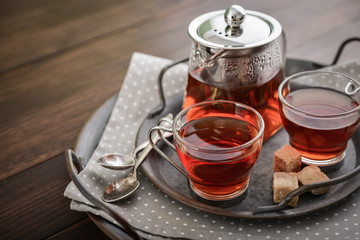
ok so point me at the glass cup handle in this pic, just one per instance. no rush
(166, 122)
(351, 89)
(161, 130)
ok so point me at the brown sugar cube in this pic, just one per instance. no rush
(283, 184)
(313, 174)
(287, 159)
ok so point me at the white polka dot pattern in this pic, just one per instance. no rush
(156, 214)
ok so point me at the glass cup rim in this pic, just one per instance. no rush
(283, 101)
(230, 149)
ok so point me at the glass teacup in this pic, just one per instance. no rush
(218, 142)
(320, 112)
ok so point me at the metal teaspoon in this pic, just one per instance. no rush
(117, 161)
(125, 187)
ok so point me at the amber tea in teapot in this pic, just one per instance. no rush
(263, 98)
(237, 55)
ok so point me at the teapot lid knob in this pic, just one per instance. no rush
(234, 16)
(234, 29)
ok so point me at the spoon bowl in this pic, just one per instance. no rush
(117, 161)
(121, 189)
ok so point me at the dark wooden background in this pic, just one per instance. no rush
(60, 60)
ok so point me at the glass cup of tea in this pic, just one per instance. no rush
(218, 143)
(320, 112)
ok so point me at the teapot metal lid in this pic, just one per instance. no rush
(234, 28)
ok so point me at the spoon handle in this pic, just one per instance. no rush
(141, 147)
(146, 147)
(144, 152)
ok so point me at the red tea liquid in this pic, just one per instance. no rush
(218, 170)
(319, 139)
(263, 98)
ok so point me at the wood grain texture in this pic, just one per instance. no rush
(72, 84)
(84, 229)
(60, 60)
(39, 29)
(33, 202)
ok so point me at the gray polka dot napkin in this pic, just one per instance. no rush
(156, 215)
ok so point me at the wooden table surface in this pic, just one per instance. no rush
(60, 60)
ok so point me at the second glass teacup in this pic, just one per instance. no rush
(218, 142)
(320, 112)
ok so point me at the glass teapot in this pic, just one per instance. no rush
(237, 55)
